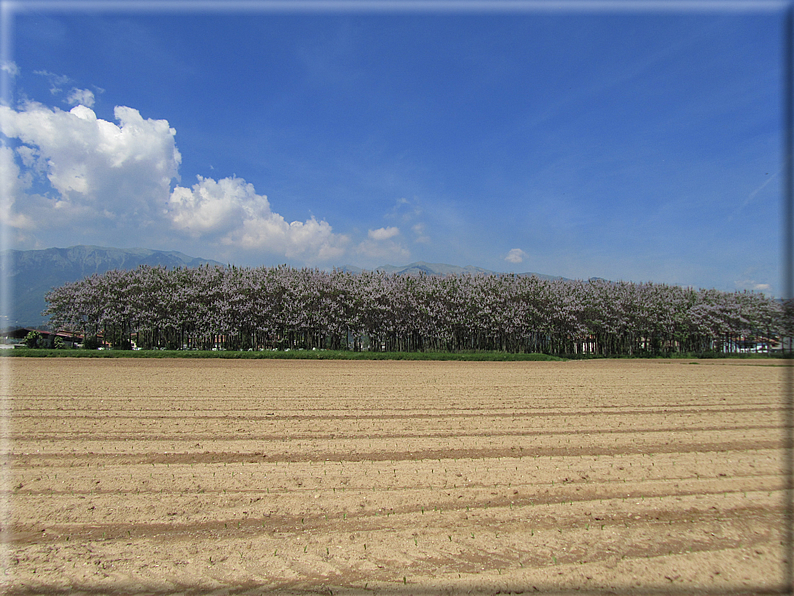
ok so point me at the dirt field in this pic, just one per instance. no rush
(242, 477)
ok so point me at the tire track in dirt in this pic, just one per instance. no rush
(54, 459)
(405, 435)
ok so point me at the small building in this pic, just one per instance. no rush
(17, 337)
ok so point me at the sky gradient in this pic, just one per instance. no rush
(634, 145)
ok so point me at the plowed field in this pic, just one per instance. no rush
(130, 476)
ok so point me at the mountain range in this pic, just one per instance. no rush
(30, 274)
(421, 267)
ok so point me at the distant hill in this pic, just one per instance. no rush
(440, 269)
(33, 273)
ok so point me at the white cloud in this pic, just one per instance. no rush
(84, 97)
(372, 249)
(112, 183)
(405, 210)
(311, 240)
(10, 67)
(751, 284)
(421, 236)
(230, 212)
(11, 186)
(408, 213)
(516, 255)
(214, 207)
(56, 81)
(32, 160)
(383, 233)
(100, 171)
(381, 244)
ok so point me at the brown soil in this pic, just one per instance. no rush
(245, 477)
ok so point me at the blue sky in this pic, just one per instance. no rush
(625, 144)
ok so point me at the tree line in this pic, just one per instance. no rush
(239, 308)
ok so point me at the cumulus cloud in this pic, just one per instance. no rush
(231, 211)
(383, 233)
(382, 244)
(516, 255)
(99, 170)
(12, 184)
(84, 97)
(214, 207)
(74, 173)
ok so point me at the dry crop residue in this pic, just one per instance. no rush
(131, 476)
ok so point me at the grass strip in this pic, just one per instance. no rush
(284, 355)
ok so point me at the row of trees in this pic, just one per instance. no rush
(278, 308)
